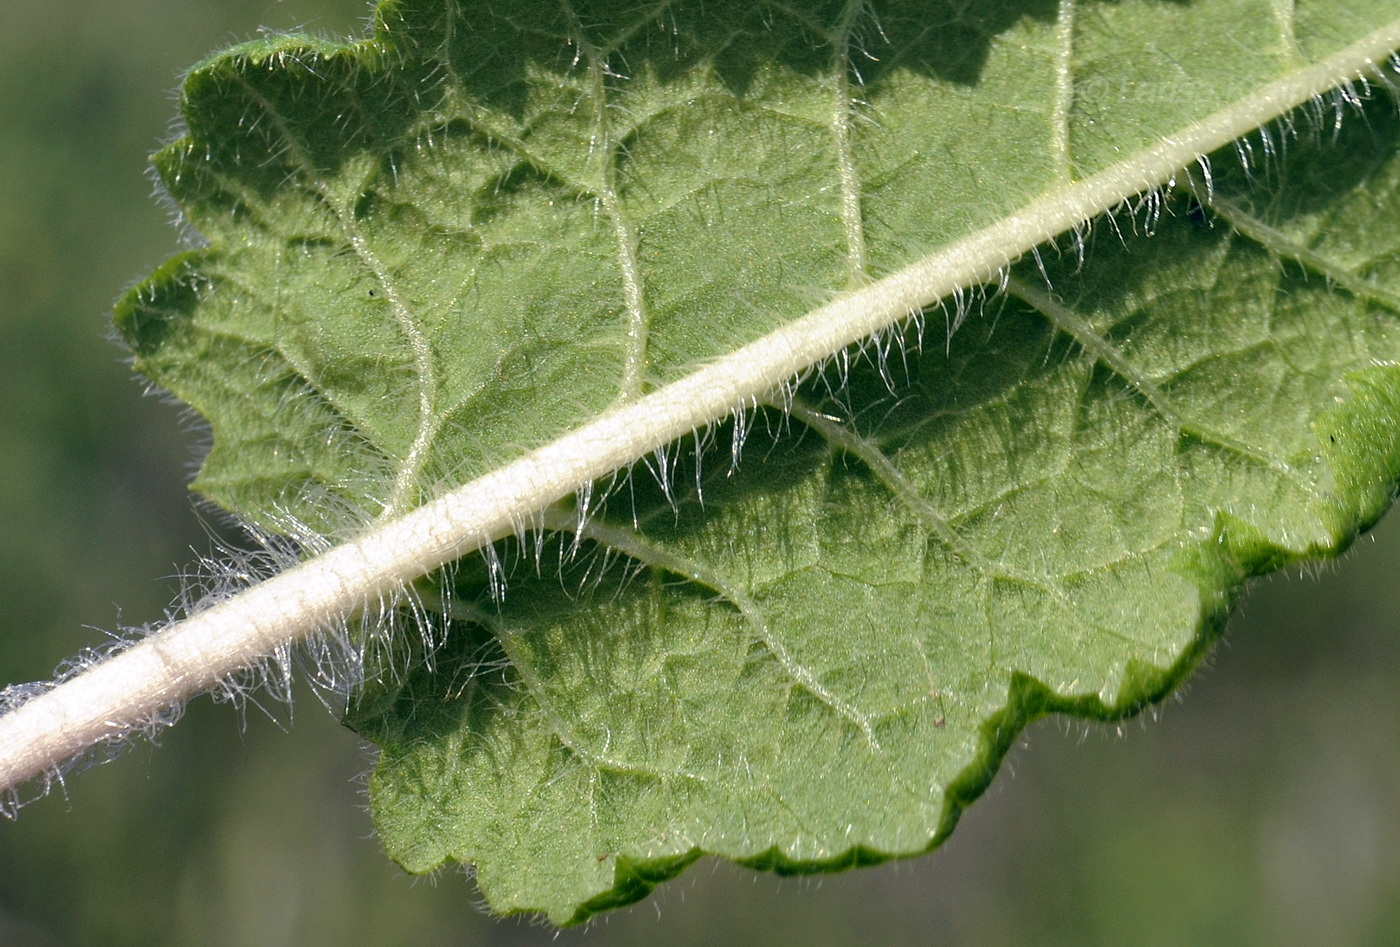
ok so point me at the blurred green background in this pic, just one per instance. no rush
(1264, 808)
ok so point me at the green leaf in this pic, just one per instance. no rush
(808, 640)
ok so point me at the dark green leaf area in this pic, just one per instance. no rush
(818, 657)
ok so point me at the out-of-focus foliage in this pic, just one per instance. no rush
(1261, 810)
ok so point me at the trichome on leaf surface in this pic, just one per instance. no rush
(802, 635)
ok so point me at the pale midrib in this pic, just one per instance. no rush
(192, 655)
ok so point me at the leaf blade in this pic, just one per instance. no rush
(1048, 672)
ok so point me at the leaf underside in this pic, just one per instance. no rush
(803, 639)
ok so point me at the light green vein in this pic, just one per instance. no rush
(1280, 244)
(636, 547)
(1069, 322)
(603, 149)
(459, 610)
(843, 114)
(1060, 146)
